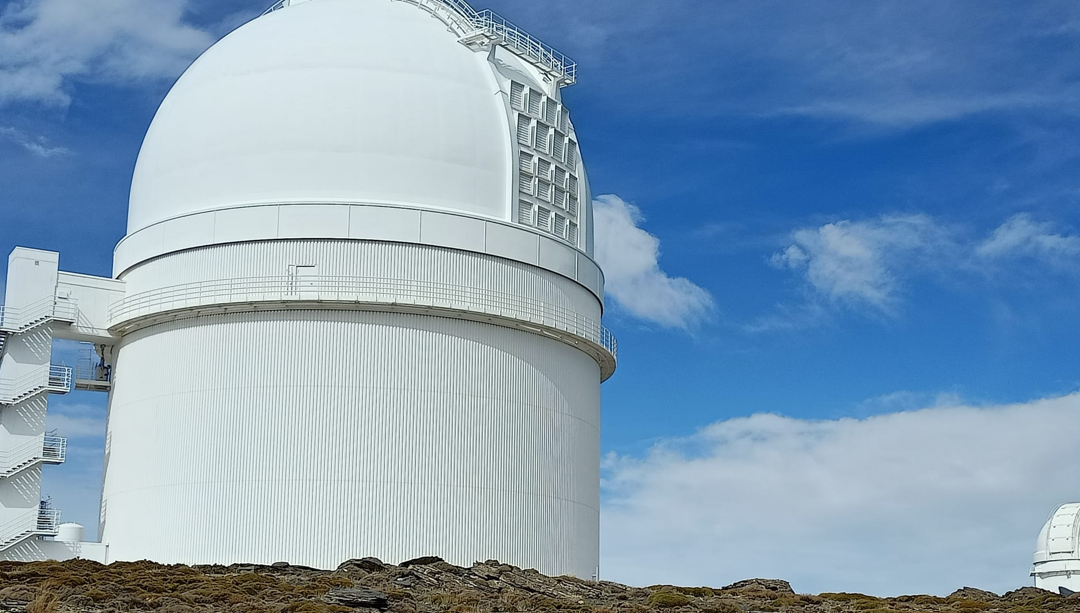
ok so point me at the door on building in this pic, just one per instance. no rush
(305, 281)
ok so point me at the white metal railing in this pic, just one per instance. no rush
(489, 24)
(48, 377)
(42, 448)
(43, 520)
(48, 521)
(54, 449)
(21, 319)
(15, 530)
(364, 290)
(525, 45)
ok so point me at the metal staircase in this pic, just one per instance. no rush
(19, 383)
(49, 378)
(41, 450)
(24, 319)
(42, 521)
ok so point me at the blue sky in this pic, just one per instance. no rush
(842, 243)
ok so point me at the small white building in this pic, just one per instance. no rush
(1057, 553)
(355, 313)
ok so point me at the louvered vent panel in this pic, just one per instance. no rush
(572, 233)
(525, 161)
(536, 100)
(525, 183)
(560, 197)
(524, 130)
(571, 185)
(552, 114)
(571, 155)
(543, 218)
(558, 146)
(525, 211)
(542, 138)
(572, 206)
(560, 225)
(543, 169)
(543, 190)
(564, 120)
(517, 96)
(560, 176)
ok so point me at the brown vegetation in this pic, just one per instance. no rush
(430, 585)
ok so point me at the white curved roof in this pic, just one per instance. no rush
(473, 25)
(355, 101)
(1060, 536)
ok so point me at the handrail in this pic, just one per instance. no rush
(54, 448)
(47, 448)
(518, 40)
(364, 290)
(33, 521)
(51, 377)
(20, 319)
(48, 520)
(23, 524)
(490, 24)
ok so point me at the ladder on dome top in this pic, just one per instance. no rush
(488, 27)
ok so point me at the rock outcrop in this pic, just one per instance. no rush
(430, 585)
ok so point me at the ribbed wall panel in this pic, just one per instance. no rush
(317, 436)
(363, 259)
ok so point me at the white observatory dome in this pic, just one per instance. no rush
(335, 101)
(1057, 552)
(359, 313)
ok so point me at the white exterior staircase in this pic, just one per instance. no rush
(42, 521)
(40, 450)
(25, 319)
(47, 378)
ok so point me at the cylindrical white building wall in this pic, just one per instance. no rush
(318, 436)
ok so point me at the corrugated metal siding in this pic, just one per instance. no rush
(317, 436)
(363, 259)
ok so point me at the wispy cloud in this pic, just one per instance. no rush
(46, 45)
(891, 63)
(913, 502)
(630, 257)
(1023, 236)
(861, 263)
(869, 264)
(38, 146)
(76, 420)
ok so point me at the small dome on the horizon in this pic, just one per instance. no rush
(1057, 551)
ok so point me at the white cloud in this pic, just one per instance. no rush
(75, 421)
(863, 262)
(1022, 236)
(36, 145)
(890, 63)
(869, 264)
(913, 502)
(630, 257)
(46, 44)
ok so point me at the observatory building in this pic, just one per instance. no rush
(355, 312)
(1057, 553)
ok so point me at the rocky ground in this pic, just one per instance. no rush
(429, 585)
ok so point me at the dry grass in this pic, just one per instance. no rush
(86, 587)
